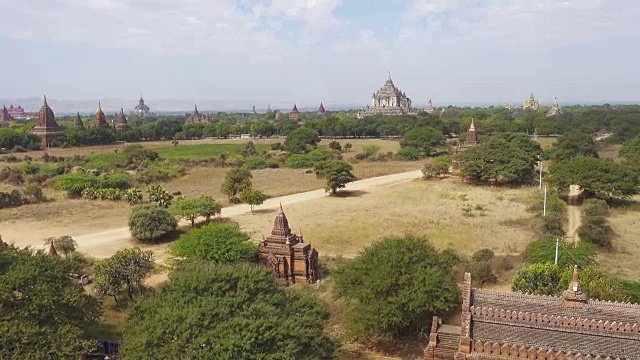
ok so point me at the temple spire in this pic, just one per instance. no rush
(52, 249)
(575, 281)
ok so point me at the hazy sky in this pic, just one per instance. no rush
(452, 51)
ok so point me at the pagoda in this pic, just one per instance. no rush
(5, 115)
(278, 115)
(531, 103)
(294, 115)
(555, 109)
(123, 125)
(472, 136)
(47, 128)
(52, 249)
(388, 100)
(101, 119)
(77, 124)
(286, 253)
(430, 109)
(141, 109)
(321, 111)
(195, 117)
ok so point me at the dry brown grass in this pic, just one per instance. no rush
(623, 259)
(344, 225)
(546, 142)
(610, 151)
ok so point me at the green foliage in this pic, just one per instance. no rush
(572, 145)
(10, 139)
(409, 153)
(481, 273)
(235, 182)
(424, 139)
(538, 279)
(11, 199)
(148, 223)
(126, 269)
(348, 146)
(64, 244)
(157, 194)
(133, 196)
(569, 253)
(436, 167)
(421, 286)
(75, 183)
(219, 242)
(249, 149)
(336, 172)
(106, 161)
(212, 311)
(301, 161)
(596, 284)
(334, 145)
(603, 178)
(503, 159)
(33, 193)
(630, 152)
(482, 255)
(596, 230)
(301, 140)
(633, 288)
(255, 163)
(253, 197)
(158, 172)
(192, 208)
(203, 151)
(595, 207)
(44, 313)
(370, 150)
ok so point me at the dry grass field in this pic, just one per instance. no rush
(344, 225)
(623, 259)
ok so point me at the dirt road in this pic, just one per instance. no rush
(104, 244)
(574, 212)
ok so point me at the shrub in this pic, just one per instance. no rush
(482, 255)
(11, 199)
(298, 161)
(11, 176)
(159, 172)
(596, 284)
(132, 196)
(596, 230)
(253, 197)
(481, 273)
(550, 227)
(34, 193)
(538, 279)
(595, 207)
(148, 223)
(409, 153)
(222, 243)
(277, 146)
(334, 145)
(255, 162)
(74, 183)
(249, 150)
(370, 150)
(160, 196)
(569, 252)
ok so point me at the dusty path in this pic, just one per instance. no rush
(574, 212)
(104, 244)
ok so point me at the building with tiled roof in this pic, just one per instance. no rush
(503, 325)
(287, 254)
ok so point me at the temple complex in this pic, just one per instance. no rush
(287, 254)
(5, 115)
(47, 128)
(278, 115)
(295, 115)
(503, 325)
(101, 119)
(388, 100)
(141, 109)
(78, 124)
(472, 136)
(321, 111)
(430, 109)
(555, 109)
(196, 117)
(122, 125)
(531, 103)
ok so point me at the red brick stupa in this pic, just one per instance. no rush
(287, 254)
(47, 128)
(123, 125)
(321, 111)
(295, 115)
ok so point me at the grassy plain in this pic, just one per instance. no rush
(623, 259)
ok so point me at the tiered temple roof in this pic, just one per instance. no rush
(101, 118)
(321, 110)
(278, 115)
(531, 103)
(78, 124)
(287, 254)
(47, 128)
(122, 125)
(389, 100)
(141, 109)
(502, 325)
(294, 115)
(555, 109)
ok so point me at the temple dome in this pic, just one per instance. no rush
(46, 117)
(101, 118)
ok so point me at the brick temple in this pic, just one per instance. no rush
(504, 325)
(47, 128)
(287, 254)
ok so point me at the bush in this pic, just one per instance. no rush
(255, 162)
(482, 255)
(148, 223)
(370, 150)
(481, 273)
(595, 207)
(596, 284)
(538, 279)
(159, 172)
(421, 285)
(569, 253)
(409, 153)
(334, 145)
(160, 196)
(34, 193)
(550, 227)
(222, 243)
(596, 230)
(11, 199)
(277, 146)
(74, 183)
(11, 176)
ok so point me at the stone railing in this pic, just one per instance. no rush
(570, 323)
(521, 352)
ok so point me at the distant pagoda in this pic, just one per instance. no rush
(101, 118)
(321, 111)
(472, 136)
(78, 124)
(295, 115)
(141, 109)
(388, 100)
(531, 103)
(122, 125)
(47, 128)
(555, 109)
(196, 117)
(278, 116)
(430, 109)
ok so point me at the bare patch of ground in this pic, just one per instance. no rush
(574, 213)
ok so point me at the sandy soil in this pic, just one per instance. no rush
(573, 212)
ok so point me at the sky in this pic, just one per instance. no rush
(335, 51)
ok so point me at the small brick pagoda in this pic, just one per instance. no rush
(47, 128)
(295, 115)
(77, 124)
(101, 118)
(287, 254)
(123, 125)
(503, 325)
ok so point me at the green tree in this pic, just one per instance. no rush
(334, 145)
(125, 269)
(160, 196)
(569, 252)
(253, 197)
(436, 167)
(572, 145)
(148, 223)
(65, 244)
(222, 243)
(249, 149)
(599, 177)
(630, 152)
(348, 147)
(425, 139)
(538, 279)
(381, 303)
(209, 311)
(301, 140)
(597, 284)
(192, 208)
(235, 182)
(370, 150)
(336, 172)
(504, 159)
(44, 313)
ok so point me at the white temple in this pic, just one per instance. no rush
(555, 109)
(388, 100)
